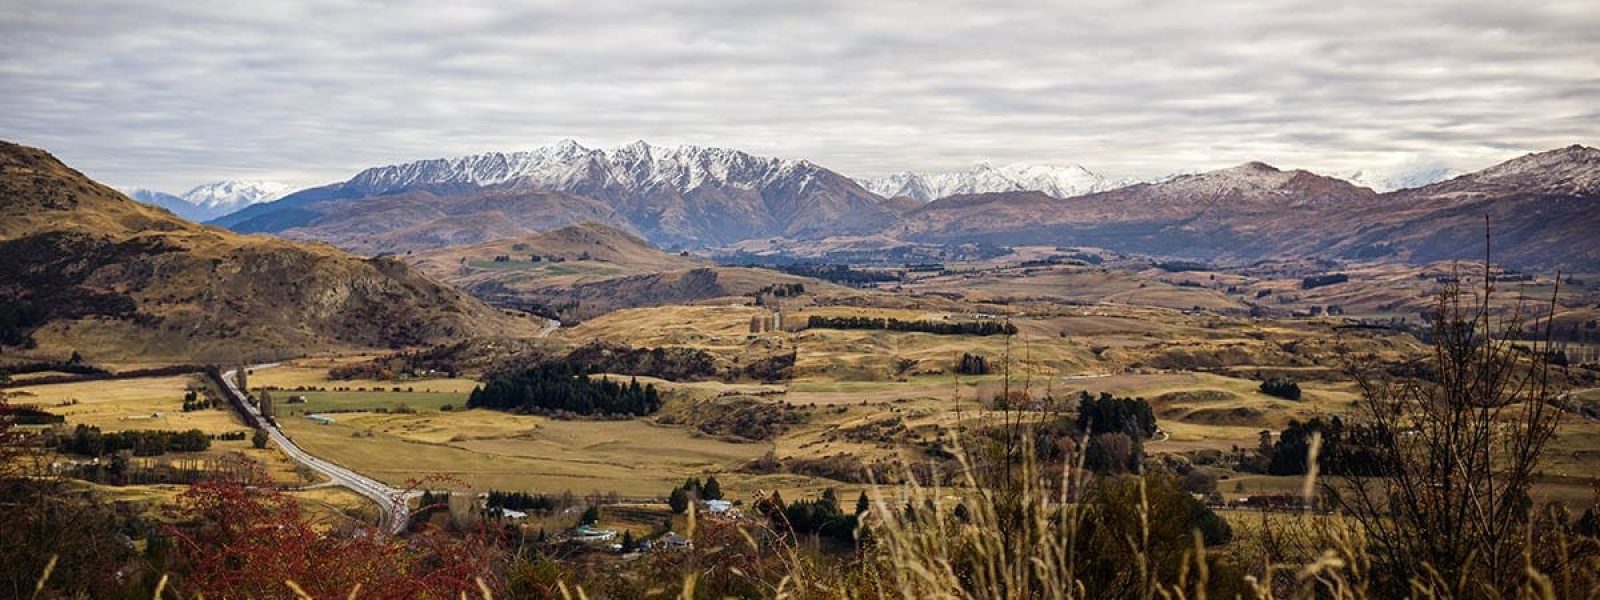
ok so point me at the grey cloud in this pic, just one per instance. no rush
(168, 94)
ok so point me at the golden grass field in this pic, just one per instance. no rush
(313, 372)
(857, 378)
(129, 404)
(118, 405)
(486, 449)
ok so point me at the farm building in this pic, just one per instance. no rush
(588, 534)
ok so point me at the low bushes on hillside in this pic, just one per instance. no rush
(1282, 388)
(741, 418)
(673, 363)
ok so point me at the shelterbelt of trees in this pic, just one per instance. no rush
(937, 327)
(90, 441)
(559, 387)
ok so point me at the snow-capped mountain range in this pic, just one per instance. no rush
(1057, 181)
(211, 200)
(672, 195)
(567, 165)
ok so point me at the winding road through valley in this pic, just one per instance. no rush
(391, 501)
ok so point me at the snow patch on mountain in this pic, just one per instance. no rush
(1057, 181)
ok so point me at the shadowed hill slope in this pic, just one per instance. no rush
(89, 269)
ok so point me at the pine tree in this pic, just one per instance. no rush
(862, 504)
(590, 516)
(678, 500)
(692, 485)
(712, 490)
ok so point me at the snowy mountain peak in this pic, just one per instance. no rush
(1255, 166)
(229, 196)
(1388, 180)
(1057, 181)
(1572, 170)
(211, 200)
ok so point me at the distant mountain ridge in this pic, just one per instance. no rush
(685, 195)
(691, 196)
(1543, 209)
(211, 200)
(1056, 181)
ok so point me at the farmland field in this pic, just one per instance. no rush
(363, 401)
(117, 405)
(484, 449)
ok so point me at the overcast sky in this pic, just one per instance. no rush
(170, 94)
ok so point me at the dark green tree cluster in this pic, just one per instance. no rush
(711, 489)
(1113, 453)
(17, 320)
(1282, 388)
(193, 401)
(937, 327)
(90, 441)
(679, 500)
(28, 415)
(1346, 449)
(559, 387)
(821, 516)
(783, 290)
(1316, 281)
(520, 501)
(1109, 414)
(972, 364)
(838, 273)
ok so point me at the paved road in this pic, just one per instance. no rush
(391, 501)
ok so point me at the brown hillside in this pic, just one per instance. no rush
(88, 269)
(590, 269)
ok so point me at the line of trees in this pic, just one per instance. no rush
(90, 441)
(1316, 281)
(521, 501)
(936, 327)
(558, 387)
(837, 273)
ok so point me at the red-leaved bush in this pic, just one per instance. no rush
(234, 541)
